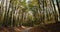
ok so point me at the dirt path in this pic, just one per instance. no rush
(47, 28)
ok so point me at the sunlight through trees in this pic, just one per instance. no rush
(29, 12)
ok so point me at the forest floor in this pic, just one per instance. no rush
(44, 28)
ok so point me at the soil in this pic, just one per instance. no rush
(46, 28)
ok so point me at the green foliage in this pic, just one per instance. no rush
(28, 13)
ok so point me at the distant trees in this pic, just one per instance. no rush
(30, 13)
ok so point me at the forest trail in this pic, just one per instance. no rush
(47, 28)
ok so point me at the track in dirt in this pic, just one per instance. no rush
(47, 28)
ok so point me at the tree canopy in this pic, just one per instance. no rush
(28, 12)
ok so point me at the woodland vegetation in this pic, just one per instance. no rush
(29, 12)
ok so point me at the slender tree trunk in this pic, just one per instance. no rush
(56, 18)
(58, 9)
(58, 6)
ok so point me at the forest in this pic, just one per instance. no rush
(29, 13)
